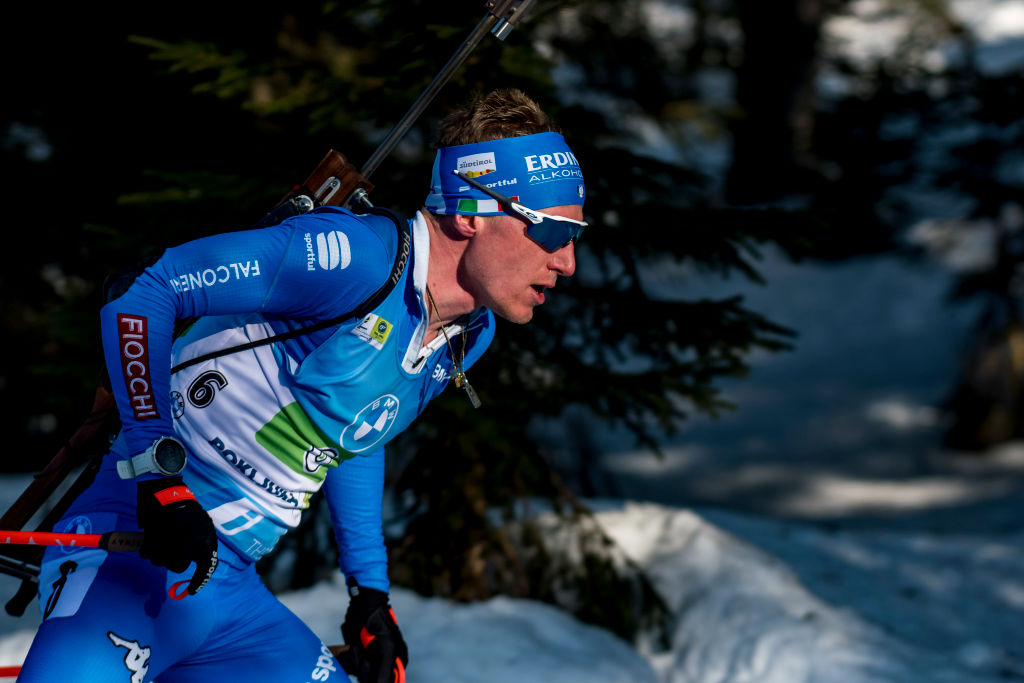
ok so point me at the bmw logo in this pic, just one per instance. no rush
(370, 425)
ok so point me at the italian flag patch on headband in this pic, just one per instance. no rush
(478, 206)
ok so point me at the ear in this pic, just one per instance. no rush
(466, 226)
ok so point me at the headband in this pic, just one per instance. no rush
(539, 171)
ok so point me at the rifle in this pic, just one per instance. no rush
(337, 182)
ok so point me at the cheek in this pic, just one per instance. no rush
(483, 267)
(503, 261)
(494, 255)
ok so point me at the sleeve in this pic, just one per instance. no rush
(354, 491)
(311, 267)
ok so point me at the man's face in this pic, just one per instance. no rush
(508, 272)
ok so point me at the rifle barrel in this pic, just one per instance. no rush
(427, 96)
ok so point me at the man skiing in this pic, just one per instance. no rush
(217, 474)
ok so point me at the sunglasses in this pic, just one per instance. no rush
(551, 233)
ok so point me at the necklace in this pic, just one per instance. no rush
(461, 381)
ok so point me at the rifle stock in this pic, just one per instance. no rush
(334, 180)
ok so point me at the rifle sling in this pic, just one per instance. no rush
(375, 299)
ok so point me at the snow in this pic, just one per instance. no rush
(816, 553)
(873, 29)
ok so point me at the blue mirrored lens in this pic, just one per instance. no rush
(552, 235)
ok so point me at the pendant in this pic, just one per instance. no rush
(462, 382)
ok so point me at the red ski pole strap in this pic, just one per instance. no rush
(179, 591)
(174, 495)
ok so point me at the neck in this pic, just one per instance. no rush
(450, 299)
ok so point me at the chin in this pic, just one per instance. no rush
(520, 317)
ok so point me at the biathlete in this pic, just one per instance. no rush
(218, 473)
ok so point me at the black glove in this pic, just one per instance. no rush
(178, 530)
(371, 631)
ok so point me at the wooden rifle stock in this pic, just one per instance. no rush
(334, 180)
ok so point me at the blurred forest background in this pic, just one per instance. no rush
(708, 130)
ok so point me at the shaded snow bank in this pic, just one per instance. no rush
(743, 614)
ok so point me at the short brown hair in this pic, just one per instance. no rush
(498, 114)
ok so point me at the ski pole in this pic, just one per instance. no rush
(119, 541)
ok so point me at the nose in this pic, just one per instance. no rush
(563, 261)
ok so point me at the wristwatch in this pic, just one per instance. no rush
(166, 456)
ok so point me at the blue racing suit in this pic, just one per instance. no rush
(266, 428)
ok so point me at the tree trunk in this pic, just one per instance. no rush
(776, 96)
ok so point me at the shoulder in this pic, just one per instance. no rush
(331, 229)
(335, 258)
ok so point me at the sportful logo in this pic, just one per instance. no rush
(310, 257)
(476, 165)
(137, 659)
(324, 665)
(504, 182)
(370, 425)
(333, 250)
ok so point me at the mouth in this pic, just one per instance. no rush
(538, 292)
